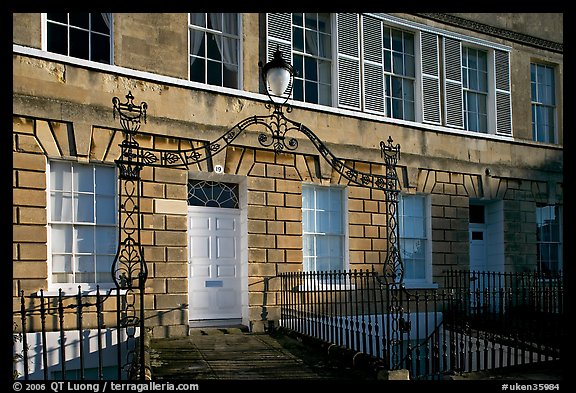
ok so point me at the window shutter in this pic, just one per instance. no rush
(454, 116)
(279, 35)
(503, 99)
(373, 65)
(430, 78)
(348, 65)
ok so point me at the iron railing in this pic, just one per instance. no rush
(430, 332)
(81, 336)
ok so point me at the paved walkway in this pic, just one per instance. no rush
(233, 354)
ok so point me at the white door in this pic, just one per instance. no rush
(214, 263)
(478, 280)
(477, 247)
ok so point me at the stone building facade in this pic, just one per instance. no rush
(62, 113)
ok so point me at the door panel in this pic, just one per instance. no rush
(214, 263)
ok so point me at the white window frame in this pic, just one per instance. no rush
(206, 30)
(44, 39)
(560, 241)
(489, 94)
(533, 103)
(426, 282)
(343, 235)
(71, 288)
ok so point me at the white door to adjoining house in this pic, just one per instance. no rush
(214, 263)
(486, 252)
(477, 247)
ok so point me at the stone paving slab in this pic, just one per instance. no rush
(225, 355)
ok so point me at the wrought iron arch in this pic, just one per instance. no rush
(277, 132)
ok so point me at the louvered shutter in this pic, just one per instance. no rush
(279, 36)
(503, 100)
(430, 78)
(373, 81)
(348, 61)
(454, 115)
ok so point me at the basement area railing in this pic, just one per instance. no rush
(477, 321)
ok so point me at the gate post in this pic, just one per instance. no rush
(129, 270)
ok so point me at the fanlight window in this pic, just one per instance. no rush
(212, 194)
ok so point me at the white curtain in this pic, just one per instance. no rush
(196, 36)
(107, 19)
(228, 47)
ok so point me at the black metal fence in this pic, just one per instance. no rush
(467, 325)
(82, 336)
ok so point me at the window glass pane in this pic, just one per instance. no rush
(308, 245)
(197, 71)
(322, 264)
(214, 76)
(57, 16)
(307, 198)
(230, 21)
(105, 181)
(310, 71)
(214, 21)
(311, 92)
(100, 47)
(60, 176)
(298, 19)
(324, 45)
(387, 61)
(104, 268)
(325, 95)
(198, 19)
(230, 76)
(84, 208)
(79, 43)
(57, 39)
(98, 23)
(311, 42)
(61, 240)
(83, 180)
(396, 87)
(324, 22)
(409, 43)
(80, 20)
(298, 38)
(84, 239)
(298, 90)
(106, 240)
(398, 63)
(61, 206)
(61, 264)
(310, 19)
(214, 42)
(322, 246)
(324, 73)
(409, 65)
(105, 210)
(196, 42)
(323, 224)
(397, 40)
(387, 41)
(85, 269)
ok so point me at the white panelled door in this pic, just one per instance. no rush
(214, 263)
